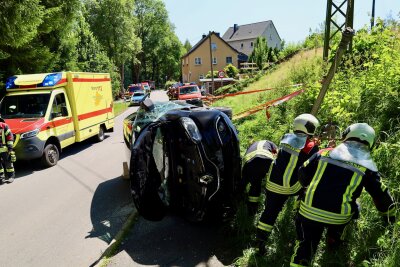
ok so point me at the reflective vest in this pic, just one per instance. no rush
(7, 139)
(282, 176)
(260, 149)
(332, 192)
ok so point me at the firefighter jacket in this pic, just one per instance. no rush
(262, 149)
(282, 176)
(333, 187)
(7, 139)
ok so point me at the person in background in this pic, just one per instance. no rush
(334, 179)
(7, 155)
(294, 149)
(256, 163)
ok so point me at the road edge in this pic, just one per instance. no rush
(113, 246)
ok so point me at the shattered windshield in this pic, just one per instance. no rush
(144, 117)
(24, 106)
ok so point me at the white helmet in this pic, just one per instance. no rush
(305, 123)
(361, 131)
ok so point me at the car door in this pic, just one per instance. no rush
(61, 120)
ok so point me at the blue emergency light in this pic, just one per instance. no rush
(50, 80)
(10, 82)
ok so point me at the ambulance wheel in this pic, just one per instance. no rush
(50, 155)
(100, 136)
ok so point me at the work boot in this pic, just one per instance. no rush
(10, 180)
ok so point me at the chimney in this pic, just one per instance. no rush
(204, 36)
(235, 27)
(217, 34)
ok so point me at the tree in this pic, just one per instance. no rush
(187, 45)
(260, 52)
(113, 23)
(231, 71)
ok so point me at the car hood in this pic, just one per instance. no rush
(22, 125)
(189, 96)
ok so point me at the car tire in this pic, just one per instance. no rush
(226, 110)
(101, 134)
(50, 155)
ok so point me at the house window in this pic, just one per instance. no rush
(213, 46)
(228, 60)
(201, 76)
(251, 44)
(214, 61)
(241, 45)
(197, 61)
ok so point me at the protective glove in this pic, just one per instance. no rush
(13, 158)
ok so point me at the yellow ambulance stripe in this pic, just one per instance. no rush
(314, 182)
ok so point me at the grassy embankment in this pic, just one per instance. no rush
(365, 89)
(120, 107)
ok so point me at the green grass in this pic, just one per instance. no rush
(120, 107)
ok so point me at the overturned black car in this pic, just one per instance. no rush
(184, 159)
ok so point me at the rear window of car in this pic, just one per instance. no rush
(138, 94)
(188, 90)
(134, 88)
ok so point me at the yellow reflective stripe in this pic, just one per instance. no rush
(289, 170)
(283, 190)
(347, 196)
(1, 170)
(260, 151)
(314, 182)
(323, 216)
(3, 137)
(296, 247)
(260, 145)
(8, 132)
(10, 170)
(10, 142)
(264, 227)
(254, 199)
(3, 149)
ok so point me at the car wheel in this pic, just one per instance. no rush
(226, 110)
(50, 155)
(101, 135)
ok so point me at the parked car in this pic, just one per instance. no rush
(146, 87)
(132, 89)
(182, 158)
(137, 97)
(189, 93)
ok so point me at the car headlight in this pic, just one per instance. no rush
(29, 134)
(191, 129)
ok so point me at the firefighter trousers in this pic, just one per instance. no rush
(273, 205)
(309, 234)
(253, 173)
(6, 165)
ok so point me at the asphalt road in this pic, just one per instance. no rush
(66, 215)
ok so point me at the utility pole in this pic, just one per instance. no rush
(373, 14)
(347, 36)
(332, 10)
(211, 64)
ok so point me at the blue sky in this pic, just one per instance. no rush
(292, 18)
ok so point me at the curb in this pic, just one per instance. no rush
(112, 247)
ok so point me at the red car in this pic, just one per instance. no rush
(191, 94)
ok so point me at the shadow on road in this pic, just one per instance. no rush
(110, 207)
(177, 242)
(26, 167)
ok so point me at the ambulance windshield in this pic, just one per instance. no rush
(24, 106)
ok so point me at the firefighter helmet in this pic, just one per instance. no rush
(305, 123)
(361, 131)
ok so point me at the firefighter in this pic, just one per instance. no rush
(294, 149)
(334, 180)
(7, 155)
(256, 164)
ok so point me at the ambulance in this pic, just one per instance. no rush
(48, 112)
